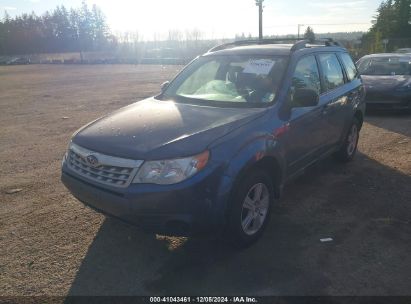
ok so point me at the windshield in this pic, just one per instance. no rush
(237, 80)
(385, 66)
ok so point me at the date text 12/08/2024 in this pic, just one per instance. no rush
(203, 300)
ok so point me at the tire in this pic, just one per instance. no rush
(248, 215)
(349, 147)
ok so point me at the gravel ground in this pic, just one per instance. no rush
(52, 245)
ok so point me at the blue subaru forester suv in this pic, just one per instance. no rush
(213, 151)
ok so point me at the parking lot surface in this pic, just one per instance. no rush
(53, 245)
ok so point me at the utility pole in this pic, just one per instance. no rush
(259, 3)
(299, 26)
(385, 42)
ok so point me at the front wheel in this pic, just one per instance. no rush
(349, 148)
(250, 209)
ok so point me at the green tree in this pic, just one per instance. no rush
(309, 34)
(61, 30)
(403, 12)
(377, 47)
(85, 28)
(100, 28)
(74, 34)
(392, 22)
(2, 37)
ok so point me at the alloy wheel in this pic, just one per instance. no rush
(255, 208)
(352, 140)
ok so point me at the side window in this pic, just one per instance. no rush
(333, 75)
(349, 66)
(306, 76)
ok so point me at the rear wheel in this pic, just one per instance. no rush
(250, 209)
(349, 148)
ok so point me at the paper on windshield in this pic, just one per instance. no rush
(259, 66)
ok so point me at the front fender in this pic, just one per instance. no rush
(262, 150)
(254, 152)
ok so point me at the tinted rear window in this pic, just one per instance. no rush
(349, 66)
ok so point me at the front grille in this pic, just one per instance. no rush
(109, 170)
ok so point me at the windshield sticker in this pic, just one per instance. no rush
(259, 66)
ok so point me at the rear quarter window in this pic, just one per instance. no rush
(350, 67)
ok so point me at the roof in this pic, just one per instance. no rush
(266, 49)
(278, 47)
(408, 55)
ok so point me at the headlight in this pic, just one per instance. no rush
(173, 171)
(66, 154)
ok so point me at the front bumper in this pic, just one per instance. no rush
(191, 207)
(392, 100)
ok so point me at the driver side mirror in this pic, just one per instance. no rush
(305, 98)
(164, 86)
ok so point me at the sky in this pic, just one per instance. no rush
(218, 18)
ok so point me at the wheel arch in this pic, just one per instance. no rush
(270, 165)
(359, 115)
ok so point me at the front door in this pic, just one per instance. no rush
(305, 135)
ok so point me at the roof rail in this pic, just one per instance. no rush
(299, 44)
(320, 42)
(250, 42)
(331, 42)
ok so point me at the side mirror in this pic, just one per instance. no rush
(305, 98)
(164, 86)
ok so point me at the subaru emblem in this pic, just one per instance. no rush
(92, 160)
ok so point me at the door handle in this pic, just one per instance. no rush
(351, 95)
(325, 109)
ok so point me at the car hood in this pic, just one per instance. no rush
(155, 129)
(385, 83)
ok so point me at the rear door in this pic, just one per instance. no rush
(334, 100)
(353, 86)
